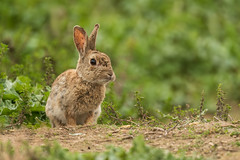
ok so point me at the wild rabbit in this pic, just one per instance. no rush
(77, 94)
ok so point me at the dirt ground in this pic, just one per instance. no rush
(216, 140)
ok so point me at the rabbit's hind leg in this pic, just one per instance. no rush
(81, 118)
(89, 119)
(71, 121)
(56, 122)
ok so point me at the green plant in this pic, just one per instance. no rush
(109, 114)
(49, 75)
(16, 70)
(206, 133)
(223, 109)
(189, 114)
(237, 143)
(21, 102)
(142, 113)
(3, 49)
(179, 116)
(235, 133)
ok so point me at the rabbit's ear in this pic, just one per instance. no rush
(92, 38)
(80, 40)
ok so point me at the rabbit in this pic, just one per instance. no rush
(77, 94)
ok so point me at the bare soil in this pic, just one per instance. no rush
(216, 140)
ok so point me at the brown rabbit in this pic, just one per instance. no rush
(77, 94)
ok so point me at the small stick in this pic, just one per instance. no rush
(201, 106)
(216, 118)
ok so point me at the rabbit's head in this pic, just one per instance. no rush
(93, 66)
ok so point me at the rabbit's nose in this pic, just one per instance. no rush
(110, 74)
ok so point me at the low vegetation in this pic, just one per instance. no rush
(139, 151)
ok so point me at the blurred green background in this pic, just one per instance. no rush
(167, 50)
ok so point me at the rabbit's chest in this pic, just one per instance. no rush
(89, 99)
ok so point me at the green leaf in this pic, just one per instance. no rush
(4, 120)
(22, 83)
(38, 89)
(9, 92)
(9, 105)
(24, 79)
(3, 48)
(7, 84)
(10, 95)
(38, 97)
(37, 107)
(1, 89)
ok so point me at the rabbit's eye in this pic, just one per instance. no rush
(93, 61)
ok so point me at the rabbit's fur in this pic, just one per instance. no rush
(77, 94)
